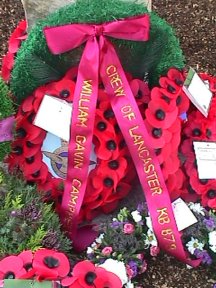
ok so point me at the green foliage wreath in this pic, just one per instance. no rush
(35, 65)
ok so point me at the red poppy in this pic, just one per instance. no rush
(86, 274)
(157, 94)
(177, 76)
(159, 115)
(11, 267)
(209, 197)
(158, 136)
(163, 153)
(7, 66)
(18, 35)
(169, 85)
(63, 89)
(50, 264)
(140, 91)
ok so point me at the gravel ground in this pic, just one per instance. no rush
(195, 24)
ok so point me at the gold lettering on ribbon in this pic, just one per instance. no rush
(115, 81)
(79, 151)
(167, 234)
(85, 94)
(144, 156)
(148, 166)
(74, 194)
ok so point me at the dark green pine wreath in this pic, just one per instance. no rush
(35, 65)
(6, 110)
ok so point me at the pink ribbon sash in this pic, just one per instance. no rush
(6, 127)
(99, 58)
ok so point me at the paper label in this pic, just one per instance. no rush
(183, 215)
(206, 159)
(198, 92)
(14, 283)
(54, 116)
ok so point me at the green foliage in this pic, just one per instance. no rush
(6, 110)
(25, 221)
(153, 57)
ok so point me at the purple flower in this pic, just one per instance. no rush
(210, 223)
(204, 256)
(116, 224)
(134, 268)
(141, 207)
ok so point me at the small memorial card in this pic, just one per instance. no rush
(54, 116)
(14, 283)
(183, 215)
(206, 159)
(198, 92)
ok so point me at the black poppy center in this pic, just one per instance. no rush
(111, 145)
(36, 174)
(160, 114)
(211, 194)
(208, 133)
(18, 150)
(196, 132)
(157, 132)
(29, 144)
(109, 114)
(64, 93)
(139, 94)
(28, 266)
(178, 100)
(101, 126)
(21, 133)
(203, 181)
(114, 164)
(171, 89)
(179, 82)
(9, 275)
(90, 277)
(30, 160)
(51, 262)
(108, 182)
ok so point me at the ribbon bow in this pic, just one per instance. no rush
(100, 59)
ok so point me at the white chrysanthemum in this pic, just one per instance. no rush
(212, 241)
(151, 239)
(116, 267)
(194, 244)
(149, 223)
(136, 216)
(89, 250)
(99, 239)
(129, 285)
(197, 208)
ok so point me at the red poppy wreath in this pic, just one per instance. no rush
(42, 156)
(201, 129)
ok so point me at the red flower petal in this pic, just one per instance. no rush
(39, 262)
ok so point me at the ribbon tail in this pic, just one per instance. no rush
(148, 168)
(6, 129)
(81, 134)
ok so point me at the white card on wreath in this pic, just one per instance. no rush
(184, 217)
(198, 92)
(206, 159)
(54, 116)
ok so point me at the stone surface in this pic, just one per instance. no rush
(38, 9)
